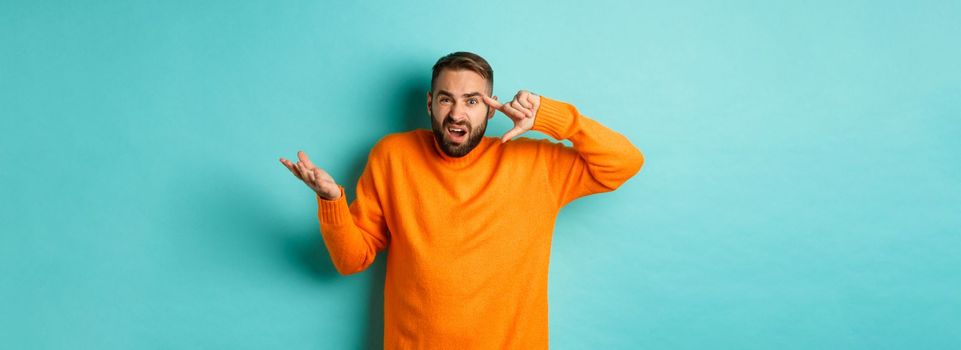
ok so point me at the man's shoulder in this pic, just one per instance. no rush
(399, 142)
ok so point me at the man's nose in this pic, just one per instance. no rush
(458, 112)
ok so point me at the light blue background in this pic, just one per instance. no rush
(802, 188)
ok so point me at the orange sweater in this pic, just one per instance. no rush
(468, 239)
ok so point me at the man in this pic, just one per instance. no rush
(467, 219)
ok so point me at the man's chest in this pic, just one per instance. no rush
(449, 208)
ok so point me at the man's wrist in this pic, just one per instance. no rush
(334, 199)
(554, 118)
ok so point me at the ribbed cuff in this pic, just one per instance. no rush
(554, 118)
(335, 212)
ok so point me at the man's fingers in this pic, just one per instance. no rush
(534, 101)
(491, 102)
(512, 133)
(512, 112)
(303, 158)
(523, 100)
(308, 174)
(300, 170)
(315, 178)
(290, 166)
(516, 104)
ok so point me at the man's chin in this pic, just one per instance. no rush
(452, 143)
(458, 149)
(455, 150)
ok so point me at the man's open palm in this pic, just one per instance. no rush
(315, 178)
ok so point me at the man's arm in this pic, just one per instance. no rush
(600, 161)
(353, 234)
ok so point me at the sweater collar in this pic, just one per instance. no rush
(468, 158)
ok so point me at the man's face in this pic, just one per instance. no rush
(458, 114)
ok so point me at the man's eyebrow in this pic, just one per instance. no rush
(448, 94)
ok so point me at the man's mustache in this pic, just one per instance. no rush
(450, 122)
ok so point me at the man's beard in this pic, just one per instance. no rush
(457, 150)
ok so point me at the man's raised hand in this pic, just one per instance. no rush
(315, 178)
(522, 110)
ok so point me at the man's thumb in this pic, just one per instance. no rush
(512, 133)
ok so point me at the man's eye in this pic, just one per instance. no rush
(444, 100)
(472, 101)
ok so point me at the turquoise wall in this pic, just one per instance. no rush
(802, 188)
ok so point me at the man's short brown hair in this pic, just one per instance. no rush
(464, 60)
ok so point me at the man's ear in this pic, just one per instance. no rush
(490, 113)
(428, 102)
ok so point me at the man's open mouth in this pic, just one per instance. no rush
(457, 133)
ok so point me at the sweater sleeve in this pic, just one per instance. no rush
(600, 161)
(354, 234)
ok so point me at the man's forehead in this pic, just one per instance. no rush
(461, 81)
